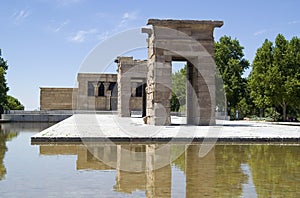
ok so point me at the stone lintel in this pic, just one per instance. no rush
(124, 59)
(129, 60)
(184, 23)
(147, 30)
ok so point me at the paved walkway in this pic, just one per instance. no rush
(95, 127)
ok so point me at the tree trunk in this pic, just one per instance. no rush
(284, 105)
(262, 112)
(226, 109)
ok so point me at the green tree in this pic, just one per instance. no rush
(285, 73)
(275, 78)
(13, 104)
(178, 89)
(3, 85)
(259, 81)
(230, 61)
(292, 76)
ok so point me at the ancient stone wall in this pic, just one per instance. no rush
(56, 98)
(89, 97)
(136, 103)
(66, 98)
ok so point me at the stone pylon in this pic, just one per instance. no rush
(181, 40)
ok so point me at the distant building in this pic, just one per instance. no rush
(95, 91)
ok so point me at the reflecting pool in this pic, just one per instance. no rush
(143, 170)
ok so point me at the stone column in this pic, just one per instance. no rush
(133, 89)
(192, 105)
(92, 101)
(159, 86)
(96, 88)
(206, 90)
(128, 69)
(124, 85)
(107, 94)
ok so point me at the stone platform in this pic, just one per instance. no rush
(98, 127)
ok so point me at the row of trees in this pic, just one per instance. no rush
(6, 101)
(275, 78)
(271, 90)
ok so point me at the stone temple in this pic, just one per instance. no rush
(146, 85)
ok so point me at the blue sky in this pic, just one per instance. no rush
(45, 41)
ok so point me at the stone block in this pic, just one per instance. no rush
(163, 72)
(160, 121)
(161, 112)
(56, 98)
(164, 33)
(206, 121)
(202, 35)
(165, 103)
(185, 31)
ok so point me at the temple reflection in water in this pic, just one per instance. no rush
(226, 171)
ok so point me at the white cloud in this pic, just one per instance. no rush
(20, 15)
(61, 26)
(260, 32)
(68, 2)
(104, 35)
(129, 15)
(81, 35)
(126, 18)
(103, 15)
(294, 22)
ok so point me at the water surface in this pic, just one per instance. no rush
(143, 170)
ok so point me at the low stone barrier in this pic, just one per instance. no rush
(45, 115)
(36, 116)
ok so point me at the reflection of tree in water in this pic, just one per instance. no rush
(178, 156)
(230, 176)
(275, 170)
(220, 170)
(4, 137)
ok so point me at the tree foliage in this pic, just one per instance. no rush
(258, 83)
(178, 89)
(7, 102)
(230, 61)
(3, 85)
(13, 104)
(275, 78)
